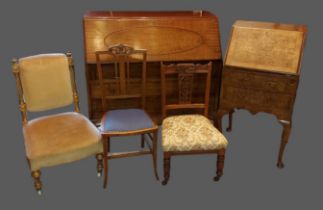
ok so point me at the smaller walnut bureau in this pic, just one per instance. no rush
(261, 72)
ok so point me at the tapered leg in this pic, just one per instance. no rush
(142, 140)
(166, 167)
(219, 165)
(285, 135)
(37, 182)
(229, 128)
(105, 160)
(155, 140)
(99, 165)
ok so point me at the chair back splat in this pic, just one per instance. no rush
(185, 73)
(121, 72)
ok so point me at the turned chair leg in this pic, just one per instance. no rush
(166, 167)
(37, 182)
(142, 140)
(154, 153)
(219, 165)
(99, 166)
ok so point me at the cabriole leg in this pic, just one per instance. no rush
(285, 135)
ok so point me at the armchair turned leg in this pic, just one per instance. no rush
(219, 165)
(166, 168)
(155, 140)
(37, 182)
(99, 166)
(285, 135)
(142, 140)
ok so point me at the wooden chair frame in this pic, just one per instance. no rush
(186, 71)
(23, 110)
(122, 57)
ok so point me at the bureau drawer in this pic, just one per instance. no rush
(250, 98)
(262, 81)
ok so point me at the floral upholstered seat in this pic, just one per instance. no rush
(191, 132)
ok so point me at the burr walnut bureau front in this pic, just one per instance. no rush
(261, 72)
(169, 37)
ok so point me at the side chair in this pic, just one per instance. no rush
(188, 134)
(122, 71)
(45, 82)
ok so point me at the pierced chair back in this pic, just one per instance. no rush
(185, 74)
(122, 74)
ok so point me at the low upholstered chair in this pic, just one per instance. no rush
(187, 134)
(122, 74)
(46, 82)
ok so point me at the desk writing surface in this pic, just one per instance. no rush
(266, 46)
(167, 36)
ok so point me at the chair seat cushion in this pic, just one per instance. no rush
(191, 133)
(124, 120)
(60, 138)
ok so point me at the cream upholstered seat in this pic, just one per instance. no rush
(45, 82)
(60, 138)
(191, 132)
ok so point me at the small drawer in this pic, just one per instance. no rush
(262, 81)
(241, 97)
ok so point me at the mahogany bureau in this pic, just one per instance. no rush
(261, 72)
(186, 36)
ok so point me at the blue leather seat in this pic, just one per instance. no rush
(123, 120)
